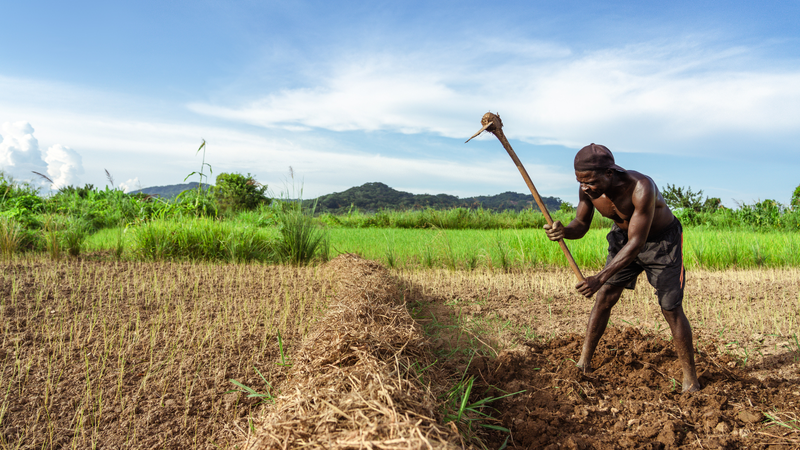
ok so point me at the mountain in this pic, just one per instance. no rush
(377, 196)
(169, 191)
(372, 197)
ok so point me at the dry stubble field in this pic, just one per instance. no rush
(101, 354)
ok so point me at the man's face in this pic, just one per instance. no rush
(593, 183)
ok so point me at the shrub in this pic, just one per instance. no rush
(302, 240)
(237, 192)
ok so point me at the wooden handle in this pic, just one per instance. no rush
(493, 124)
(502, 137)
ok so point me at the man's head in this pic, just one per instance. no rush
(595, 168)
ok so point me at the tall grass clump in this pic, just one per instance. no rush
(200, 239)
(301, 238)
(11, 236)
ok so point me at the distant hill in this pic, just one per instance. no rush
(377, 196)
(169, 191)
(372, 197)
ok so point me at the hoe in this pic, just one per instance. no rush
(493, 124)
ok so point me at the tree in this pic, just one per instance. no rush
(796, 198)
(236, 192)
(678, 198)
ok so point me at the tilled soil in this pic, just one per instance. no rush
(633, 398)
(529, 328)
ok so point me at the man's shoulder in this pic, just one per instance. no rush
(641, 180)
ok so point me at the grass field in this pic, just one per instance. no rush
(454, 249)
(170, 335)
(469, 249)
(139, 355)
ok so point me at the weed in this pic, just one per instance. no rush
(774, 419)
(301, 239)
(202, 194)
(252, 393)
(284, 359)
(466, 414)
(11, 236)
(503, 259)
(73, 236)
(391, 256)
(427, 256)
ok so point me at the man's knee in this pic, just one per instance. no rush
(676, 312)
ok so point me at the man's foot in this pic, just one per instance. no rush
(691, 386)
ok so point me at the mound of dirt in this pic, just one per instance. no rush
(633, 398)
(355, 382)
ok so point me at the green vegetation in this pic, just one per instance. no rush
(235, 221)
(373, 197)
(453, 219)
(236, 192)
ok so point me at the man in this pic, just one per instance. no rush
(645, 237)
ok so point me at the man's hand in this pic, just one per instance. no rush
(555, 231)
(589, 287)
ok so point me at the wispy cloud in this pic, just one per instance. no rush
(659, 96)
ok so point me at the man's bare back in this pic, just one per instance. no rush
(618, 205)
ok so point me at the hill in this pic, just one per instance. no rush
(377, 196)
(371, 197)
(169, 191)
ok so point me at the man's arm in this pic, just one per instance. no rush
(578, 227)
(644, 203)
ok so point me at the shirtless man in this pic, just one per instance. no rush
(645, 237)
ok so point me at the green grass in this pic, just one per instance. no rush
(430, 247)
(465, 249)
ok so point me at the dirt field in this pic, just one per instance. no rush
(139, 355)
(98, 354)
(529, 328)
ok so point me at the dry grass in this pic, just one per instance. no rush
(357, 379)
(139, 355)
(759, 308)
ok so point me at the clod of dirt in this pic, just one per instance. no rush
(632, 399)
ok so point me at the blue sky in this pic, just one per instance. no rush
(699, 94)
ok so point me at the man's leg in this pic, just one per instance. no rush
(605, 299)
(682, 337)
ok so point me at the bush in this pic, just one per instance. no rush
(302, 240)
(237, 192)
(11, 189)
(200, 239)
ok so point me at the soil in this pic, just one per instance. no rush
(527, 335)
(633, 398)
(139, 355)
(67, 326)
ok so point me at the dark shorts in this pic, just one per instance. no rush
(661, 259)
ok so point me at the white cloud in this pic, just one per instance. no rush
(64, 165)
(20, 157)
(648, 97)
(130, 185)
(19, 151)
